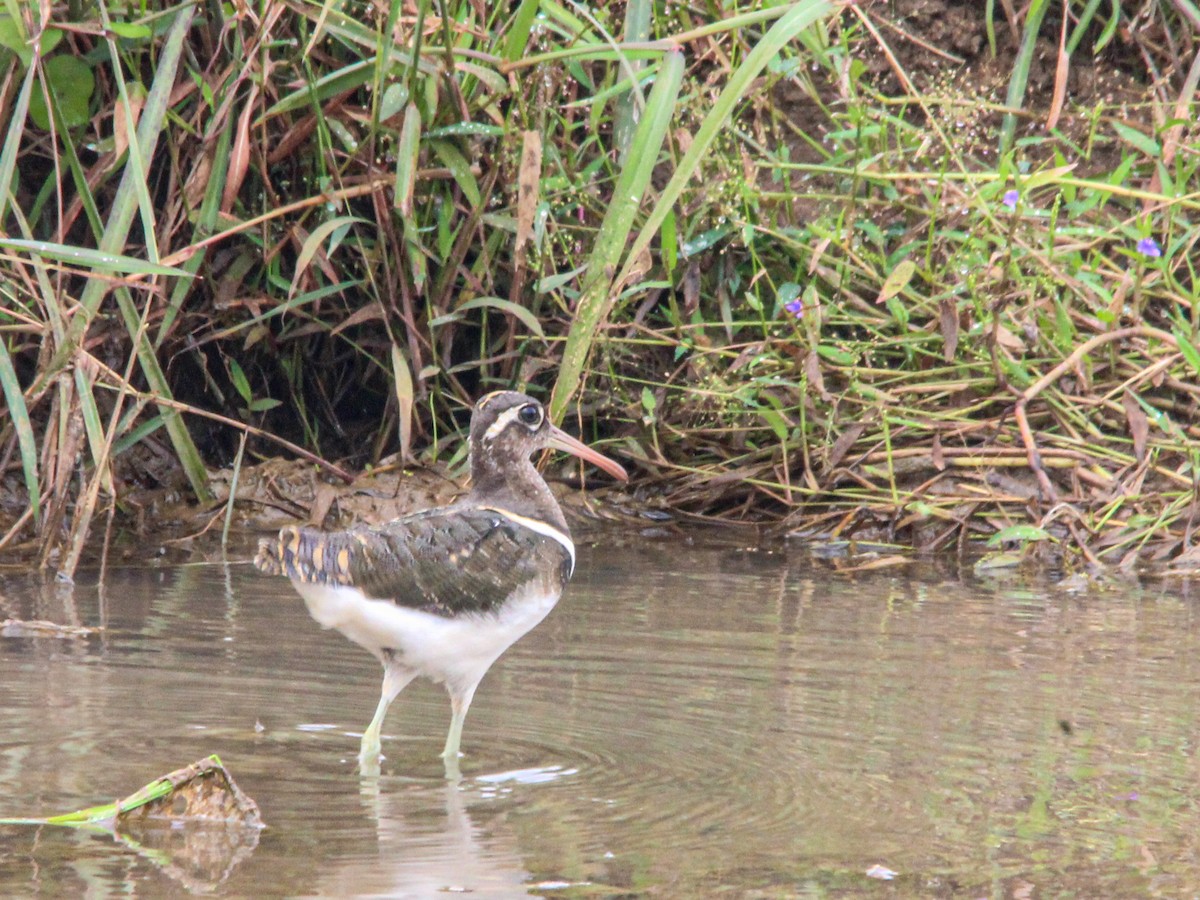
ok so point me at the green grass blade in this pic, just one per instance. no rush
(124, 203)
(407, 152)
(518, 35)
(12, 143)
(124, 208)
(614, 230)
(205, 225)
(1020, 75)
(314, 242)
(19, 414)
(110, 263)
(798, 18)
(637, 28)
(137, 158)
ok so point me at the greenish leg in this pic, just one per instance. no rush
(460, 701)
(395, 680)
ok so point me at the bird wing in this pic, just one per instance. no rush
(444, 561)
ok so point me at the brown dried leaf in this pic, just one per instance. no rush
(239, 156)
(1061, 71)
(939, 459)
(121, 127)
(948, 320)
(691, 287)
(842, 445)
(816, 381)
(1008, 340)
(1139, 425)
(883, 562)
(366, 313)
(528, 183)
(204, 790)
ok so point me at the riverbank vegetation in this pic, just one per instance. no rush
(920, 271)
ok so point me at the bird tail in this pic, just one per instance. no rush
(276, 556)
(304, 554)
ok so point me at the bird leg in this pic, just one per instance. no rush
(460, 701)
(395, 679)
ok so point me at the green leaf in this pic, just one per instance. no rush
(777, 422)
(453, 159)
(240, 382)
(1026, 534)
(522, 25)
(1019, 78)
(12, 143)
(525, 316)
(72, 82)
(1188, 349)
(91, 259)
(648, 402)
(796, 19)
(50, 39)
(314, 242)
(704, 241)
(833, 354)
(407, 153)
(897, 280)
(469, 129)
(395, 97)
(554, 282)
(12, 36)
(1136, 139)
(130, 30)
(342, 81)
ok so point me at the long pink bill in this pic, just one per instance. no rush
(560, 440)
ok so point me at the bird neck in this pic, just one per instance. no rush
(515, 486)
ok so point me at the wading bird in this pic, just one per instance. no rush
(442, 593)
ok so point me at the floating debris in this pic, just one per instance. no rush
(20, 628)
(194, 824)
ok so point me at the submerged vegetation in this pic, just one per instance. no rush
(918, 271)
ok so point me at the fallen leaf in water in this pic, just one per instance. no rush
(195, 824)
(43, 628)
(202, 791)
(883, 562)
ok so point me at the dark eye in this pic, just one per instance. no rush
(530, 415)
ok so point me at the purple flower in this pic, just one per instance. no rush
(1011, 197)
(796, 307)
(1148, 246)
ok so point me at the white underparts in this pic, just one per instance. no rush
(455, 651)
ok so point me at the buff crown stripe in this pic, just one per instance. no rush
(502, 422)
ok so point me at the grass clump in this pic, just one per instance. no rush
(918, 271)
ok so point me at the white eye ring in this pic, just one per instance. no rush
(530, 414)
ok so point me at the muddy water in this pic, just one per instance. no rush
(691, 721)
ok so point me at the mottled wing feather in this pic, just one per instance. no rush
(446, 562)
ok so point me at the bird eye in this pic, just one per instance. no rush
(530, 415)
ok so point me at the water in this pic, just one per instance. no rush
(691, 721)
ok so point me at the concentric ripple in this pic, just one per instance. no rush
(689, 721)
